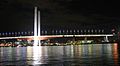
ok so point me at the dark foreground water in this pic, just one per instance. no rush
(78, 55)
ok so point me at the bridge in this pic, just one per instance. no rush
(40, 34)
(44, 37)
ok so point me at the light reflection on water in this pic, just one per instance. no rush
(37, 55)
(93, 54)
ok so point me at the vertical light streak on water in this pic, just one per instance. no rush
(90, 49)
(39, 28)
(71, 48)
(37, 53)
(29, 54)
(115, 54)
(35, 27)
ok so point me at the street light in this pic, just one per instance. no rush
(78, 31)
(56, 31)
(60, 31)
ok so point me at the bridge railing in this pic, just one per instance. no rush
(56, 32)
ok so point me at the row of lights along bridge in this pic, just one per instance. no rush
(55, 32)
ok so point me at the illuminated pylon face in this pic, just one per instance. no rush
(36, 27)
(35, 22)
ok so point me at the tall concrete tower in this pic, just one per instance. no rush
(35, 21)
(37, 29)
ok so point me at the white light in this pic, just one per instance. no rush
(35, 27)
(37, 53)
(39, 29)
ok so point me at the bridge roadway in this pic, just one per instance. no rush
(43, 37)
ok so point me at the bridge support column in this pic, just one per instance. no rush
(39, 28)
(35, 27)
(106, 39)
(73, 39)
(85, 39)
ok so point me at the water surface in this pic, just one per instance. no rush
(78, 55)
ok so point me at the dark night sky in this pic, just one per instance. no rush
(17, 15)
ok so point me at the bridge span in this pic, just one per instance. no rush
(44, 37)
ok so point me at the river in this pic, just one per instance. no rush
(77, 55)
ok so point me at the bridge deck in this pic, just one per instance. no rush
(53, 36)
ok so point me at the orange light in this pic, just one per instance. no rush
(115, 53)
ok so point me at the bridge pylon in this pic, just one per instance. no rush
(37, 30)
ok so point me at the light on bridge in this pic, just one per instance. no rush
(42, 32)
(67, 31)
(25, 33)
(22, 33)
(60, 31)
(70, 31)
(74, 31)
(102, 31)
(52, 32)
(6, 33)
(15, 33)
(63, 31)
(92, 30)
(3, 34)
(88, 30)
(81, 31)
(19, 33)
(45, 32)
(56, 31)
(95, 31)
